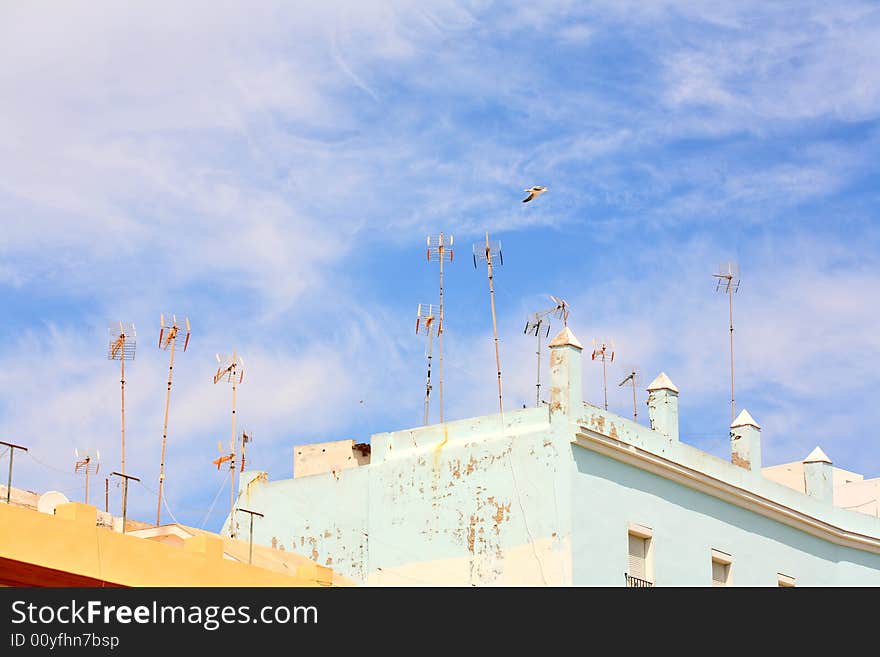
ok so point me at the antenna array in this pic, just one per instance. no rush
(425, 323)
(633, 378)
(88, 461)
(169, 331)
(122, 347)
(604, 351)
(230, 369)
(728, 283)
(539, 326)
(440, 249)
(487, 252)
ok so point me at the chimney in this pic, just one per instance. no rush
(663, 406)
(818, 478)
(745, 442)
(565, 374)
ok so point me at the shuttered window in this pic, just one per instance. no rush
(638, 549)
(720, 573)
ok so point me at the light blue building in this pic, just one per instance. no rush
(565, 494)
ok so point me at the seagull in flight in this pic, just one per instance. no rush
(537, 190)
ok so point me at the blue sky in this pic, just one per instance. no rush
(272, 172)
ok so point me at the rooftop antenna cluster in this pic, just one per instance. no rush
(539, 325)
(230, 369)
(426, 323)
(88, 461)
(604, 351)
(440, 250)
(122, 347)
(169, 332)
(488, 252)
(728, 283)
(633, 378)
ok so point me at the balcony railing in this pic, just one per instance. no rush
(631, 580)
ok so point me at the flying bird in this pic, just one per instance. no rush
(537, 190)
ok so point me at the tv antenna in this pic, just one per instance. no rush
(12, 447)
(634, 378)
(88, 461)
(487, 252)
(440, 249)
(123, 343)
(426, 323)
(539, 325)
(169, 331)
(231, 369)
(728, 283)
(604, 351)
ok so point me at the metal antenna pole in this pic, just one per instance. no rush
(251, 532)
(538, 386)
(125, 479)
(601, 352)
(635, 412)
(428, 382)
(732, 402)
(87, 481)
(12, 447)
(494, 324)
(728, 281)
(439, 246)
(605, 383)
(167, 340)
(232, 461)
(173, 340)
(233, 371)
(122, 362)
(440, 333)
(106, 494)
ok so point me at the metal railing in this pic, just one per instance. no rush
(633, 581)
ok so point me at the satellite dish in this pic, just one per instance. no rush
(49, 500)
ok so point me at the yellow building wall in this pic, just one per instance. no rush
(71, 542)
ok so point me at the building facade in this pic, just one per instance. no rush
(566, 494)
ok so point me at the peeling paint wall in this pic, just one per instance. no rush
(318, 458)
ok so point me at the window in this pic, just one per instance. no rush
(784, 581)
(721, 562)
(640, 567)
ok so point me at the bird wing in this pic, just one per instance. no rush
(529, 197)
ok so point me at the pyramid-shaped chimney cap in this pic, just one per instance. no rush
(566, 338)
(662, 382)
(817, 456)
(744, 419)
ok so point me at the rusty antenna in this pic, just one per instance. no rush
(231, 369)
(246, 437)
(604, 351)
(123, 343)
(634, 378)
(440, 249)
(487, 252)
(728, 283)
(88, 461)
(539, 325)
(169, 331)
(426, 323)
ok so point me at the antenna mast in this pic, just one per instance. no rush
(230, 368)
(487, 252)
(604, 351)
(168, 333)
(123, 342)
(440, 249)
(88, 461)
(634, 379)
(728, 282)
(425, 324)
(536, 324)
